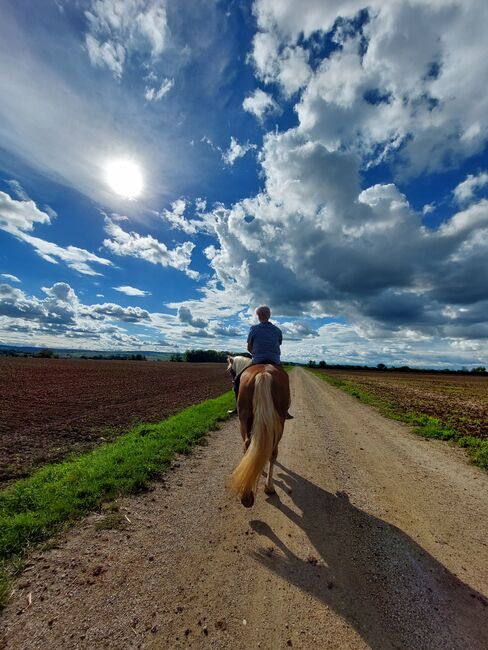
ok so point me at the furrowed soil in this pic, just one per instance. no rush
(376, 538)
(50, 408)
(458, 401)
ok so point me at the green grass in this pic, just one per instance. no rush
(55, 496)
(423, 424)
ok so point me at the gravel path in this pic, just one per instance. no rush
(376, 538)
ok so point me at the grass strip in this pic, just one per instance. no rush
(423, 424)
(34, 508)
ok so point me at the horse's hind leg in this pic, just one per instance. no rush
(268, 486)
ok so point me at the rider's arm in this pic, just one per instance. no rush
(249, 340)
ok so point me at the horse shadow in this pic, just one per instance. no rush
(376, 577)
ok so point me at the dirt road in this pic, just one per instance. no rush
(376, 538)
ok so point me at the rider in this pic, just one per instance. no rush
(263, 342)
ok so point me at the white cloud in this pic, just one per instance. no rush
(111, 55)
(131, 291)
(297, 330)
(10, 277)
(396, 86)
(177, 219)
(20, 215)
(236, 151)
(465, 191)
(155, 94)
(185, 316)
(260, 104)
(312, 242)
(19, 218)
(18, 190)
(288, 66)
(148, 248)
(60, 316)
(117, 29)
(115, 312)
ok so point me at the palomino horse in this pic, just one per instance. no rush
(262, 405)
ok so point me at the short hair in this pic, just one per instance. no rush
(263, 311)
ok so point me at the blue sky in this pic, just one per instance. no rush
(167, 166)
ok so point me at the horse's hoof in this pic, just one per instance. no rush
(247, 500)
(269, 490)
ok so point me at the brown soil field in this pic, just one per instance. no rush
(50, 408)
(459, 401)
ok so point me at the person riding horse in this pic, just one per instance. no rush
(263, 343)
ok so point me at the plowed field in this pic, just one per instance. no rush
(52, 407)
(459, 401)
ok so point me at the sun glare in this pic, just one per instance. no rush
(125, 178)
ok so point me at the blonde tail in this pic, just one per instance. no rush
(265, 434)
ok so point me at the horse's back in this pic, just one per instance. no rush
(280, 385)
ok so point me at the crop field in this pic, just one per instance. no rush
(457, 401)
(50, 408)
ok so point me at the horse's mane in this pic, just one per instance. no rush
(239, 363)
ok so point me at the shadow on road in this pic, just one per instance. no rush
(373, 575)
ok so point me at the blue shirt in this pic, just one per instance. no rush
(266, 339)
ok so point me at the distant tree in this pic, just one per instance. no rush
(479, 370)
(45, 353)
(176, 356)
(322, 364)
(201, 356)
(381, 366)
(312, 364)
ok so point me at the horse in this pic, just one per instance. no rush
(262, 405)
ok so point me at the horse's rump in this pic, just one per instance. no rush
(280, 390)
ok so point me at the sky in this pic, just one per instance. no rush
(166, 166)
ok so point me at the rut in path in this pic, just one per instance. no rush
(376, 538)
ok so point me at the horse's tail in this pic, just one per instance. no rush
(265, 434)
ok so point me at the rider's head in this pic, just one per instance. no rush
(263, 313)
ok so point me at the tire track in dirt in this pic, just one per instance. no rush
(375, 538)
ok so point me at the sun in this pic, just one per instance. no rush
(124, 177)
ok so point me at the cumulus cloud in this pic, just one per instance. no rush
(60, 316)
(20, 217)
(185, 316)
(260, 104)
(296, 330)
(115, 312)
(288, 66)
(146, 247)
(396, 81)
(117, 29)
(178, 220)
(236, 151)
(464, 192)
(314, 242)
(132, 291)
